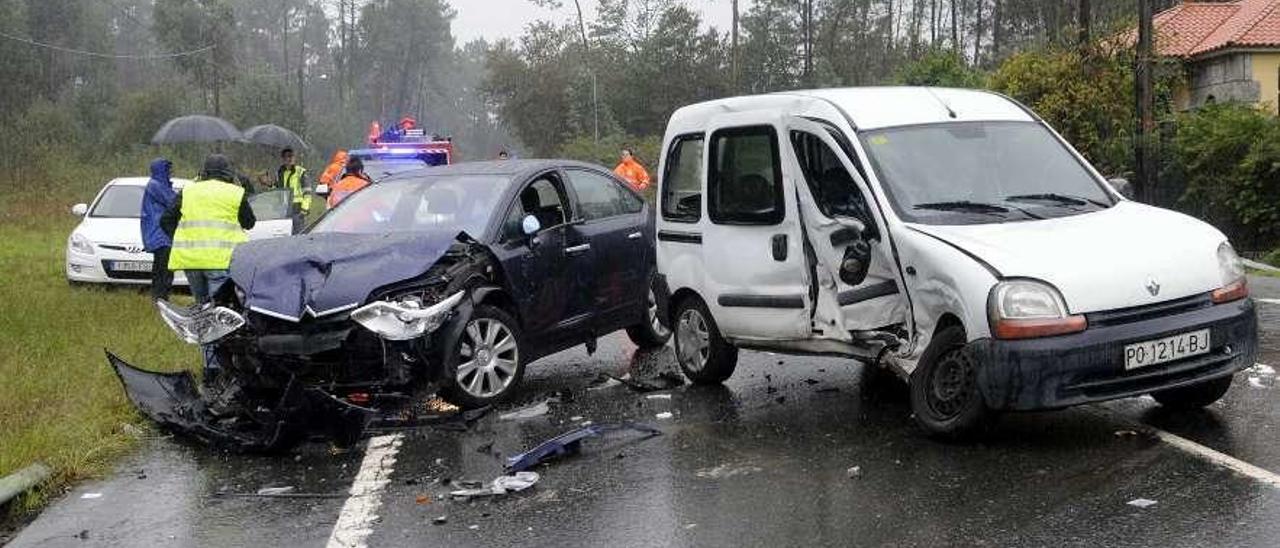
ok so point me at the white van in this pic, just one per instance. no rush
(949, 235)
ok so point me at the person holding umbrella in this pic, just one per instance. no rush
(294, 177)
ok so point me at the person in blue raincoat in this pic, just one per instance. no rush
(156, 199)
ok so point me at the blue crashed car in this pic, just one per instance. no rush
(448, 280)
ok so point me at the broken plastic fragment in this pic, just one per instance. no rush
(1142, 503)
(664, 415)
(91, 496)
(658, 397)
(535, 410)
(275, 490)
(569, 443)
(501, 485)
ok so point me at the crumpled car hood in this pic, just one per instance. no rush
(321, 274)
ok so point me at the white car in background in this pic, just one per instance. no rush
(106, 247)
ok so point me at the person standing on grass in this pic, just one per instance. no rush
(294, 177)
(208, 220)
(631, 171)
(157, 199)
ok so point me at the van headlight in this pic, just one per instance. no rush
(1024, 309)
(200, 325)
(404, 319)
(80, 244)
(1234, 284)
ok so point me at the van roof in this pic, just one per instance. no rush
(872, 107)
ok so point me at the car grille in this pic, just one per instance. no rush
(124, 274)
(1145, 312)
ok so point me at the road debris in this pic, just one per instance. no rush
(658, 397)
(1142, 503)
(854, 472)
(222, 494)
(664, 415)
(91, 496)
(1125, 433)
(501, 485)
(665, 380)
(727, 470)
(422, 499)
(268, 491)
(570, 443)
(440, 520)
(536, 410)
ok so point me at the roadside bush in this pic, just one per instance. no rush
(942, 68)
(1230, 158)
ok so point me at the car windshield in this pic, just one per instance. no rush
(462, 203)
(981, 172)
(271, 205)
(119, 201)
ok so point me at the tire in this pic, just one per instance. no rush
(650, 334)
(471, 385)
(945, 397)
(704, 356)
(1195, 396)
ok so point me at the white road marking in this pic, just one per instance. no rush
(1266, 301)
(355, 522)
(1221, 459)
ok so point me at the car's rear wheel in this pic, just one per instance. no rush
(704, 356)
(487, 363)
(1195, 396)
(651, 333)
(945, 397)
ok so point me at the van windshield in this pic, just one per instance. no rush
(981, 172)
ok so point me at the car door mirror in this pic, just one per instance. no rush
(857, 254)
(79, 210)
(322, 190)
(1123, 186)
(530, 225)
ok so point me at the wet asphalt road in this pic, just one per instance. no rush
(763, 461)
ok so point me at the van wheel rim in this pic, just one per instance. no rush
(693, 340)
(952, 385)
(489, 358)
(654, 324)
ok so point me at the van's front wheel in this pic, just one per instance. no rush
(945, 397)
(704, 356)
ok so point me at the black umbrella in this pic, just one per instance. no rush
(273, 135)
(196, 128)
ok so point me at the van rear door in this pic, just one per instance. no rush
(841, 225)
(752, 246)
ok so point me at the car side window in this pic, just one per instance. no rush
(682, 180)
(745, 177)
(541, 199)
(600, 196)
(830, 183)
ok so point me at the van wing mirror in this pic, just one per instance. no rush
(1123, 186)
(857, 254)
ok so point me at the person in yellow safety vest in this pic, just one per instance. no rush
(208, 220)
(294, 177)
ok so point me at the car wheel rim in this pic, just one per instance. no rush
(489, 358)
(654, 324)
(952, 385)
(693, 340)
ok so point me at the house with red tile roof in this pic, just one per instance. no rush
(1231, 50)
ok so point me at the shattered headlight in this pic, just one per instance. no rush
(404, 319)
(200, 326)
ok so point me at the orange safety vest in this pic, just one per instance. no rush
(346, 187)
(634, 173)
(334, 170)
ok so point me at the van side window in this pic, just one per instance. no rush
(829, 182)
(682, 181)
(745, 177)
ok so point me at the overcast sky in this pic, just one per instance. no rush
(495, 19)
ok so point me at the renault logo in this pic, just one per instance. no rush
(1153, 287)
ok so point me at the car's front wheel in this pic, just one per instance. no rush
(704, 356)
(1195, 396)
(945, 397)
(487, 363)
(651, 333)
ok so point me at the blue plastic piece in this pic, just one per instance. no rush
(569, 443)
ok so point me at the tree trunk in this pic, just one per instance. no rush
(995, 31)
(955, 28)
(284, 37)
(933, 22)
(1083, 24)
(734, 53)
(1144, 186)
(977, 36)
(808, 41)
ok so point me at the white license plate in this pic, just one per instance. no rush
(1166, 350)
(131, 266)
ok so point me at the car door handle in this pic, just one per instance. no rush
(634, 236)
(577, 249)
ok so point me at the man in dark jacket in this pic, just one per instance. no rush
(156, 199)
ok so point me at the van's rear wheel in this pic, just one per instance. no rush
(704, 356)
(1195, 396)
(945, 397)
